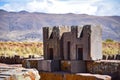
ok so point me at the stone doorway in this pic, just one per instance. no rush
(51, 53)
(68, 50)
(79, 53)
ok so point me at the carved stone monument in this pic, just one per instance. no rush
(72, 43)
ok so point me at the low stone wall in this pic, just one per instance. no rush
(11, 60)
(111, 57)
(108, 67)
(15, 59)
(102, 67)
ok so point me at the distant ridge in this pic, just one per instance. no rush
(27, 26)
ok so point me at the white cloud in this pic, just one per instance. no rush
(92, 7)
(108, 8)
(56, 6)
(35, 6)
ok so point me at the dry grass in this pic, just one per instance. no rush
(23, 49)
(111, 48)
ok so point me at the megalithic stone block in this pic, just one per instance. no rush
(73, 66)
(31, 63)
(49, 65)
(68, 76)
(52, 76)
(4, 77)
(86, 76)
(20, 74)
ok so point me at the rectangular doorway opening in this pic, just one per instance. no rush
(80, 53)
(68, 50)
(50, 53)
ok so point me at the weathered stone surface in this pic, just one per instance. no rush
(67, 76)
(49, 65)
(74, 66)
(11, 60)
(31, 63)
(51, 76)
(86, 76)
(20, 74)
(109, 67)
(118, 57)
(72, 43)
(42, 65)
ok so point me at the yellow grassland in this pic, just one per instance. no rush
(24, 49)
(110, 48)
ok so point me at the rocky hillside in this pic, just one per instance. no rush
(25, 26)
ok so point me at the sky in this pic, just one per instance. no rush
(91, 7)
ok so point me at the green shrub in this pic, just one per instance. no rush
(109, 40)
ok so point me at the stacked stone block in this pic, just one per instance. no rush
(66, 48)
(105, 67)
(65, 43)
(75, 66)
(11, 60)
(31, 63)
(72, 46)
(70, 51)
(49, 65)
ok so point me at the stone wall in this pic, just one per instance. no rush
(108, 67)
(111, 57)
(11, 60)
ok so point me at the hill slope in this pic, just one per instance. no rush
(25, 26)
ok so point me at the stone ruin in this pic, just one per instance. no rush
(16, 59)
(11, 60)
(72, 43)
(71, 51)
(7, 73)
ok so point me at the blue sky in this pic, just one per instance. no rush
(91, 7)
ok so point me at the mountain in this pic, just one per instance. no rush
(26, 26)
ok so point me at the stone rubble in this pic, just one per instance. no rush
(19, 74)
